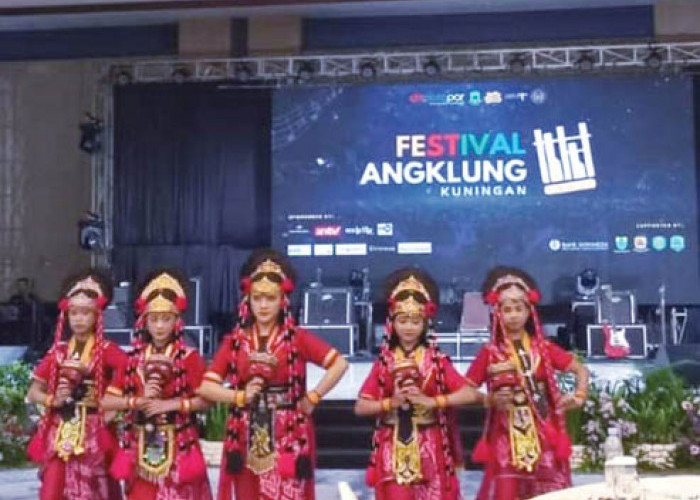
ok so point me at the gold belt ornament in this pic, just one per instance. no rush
(524, 441)
(156, 452)
(70, 436)
(406, 457)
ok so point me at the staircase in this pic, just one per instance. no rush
(344, 439)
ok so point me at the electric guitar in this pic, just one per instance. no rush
(616, 344)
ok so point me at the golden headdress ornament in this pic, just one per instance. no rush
(159, 303)
(265, 284)
(86, 293)
(410, 305)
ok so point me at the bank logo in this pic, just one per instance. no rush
(554, 245)
(385, 229)
(566, 162)
(677, 243)
(658, 243)
(622, 243)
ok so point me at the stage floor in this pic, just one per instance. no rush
(602, 371)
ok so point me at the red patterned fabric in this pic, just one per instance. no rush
(82, 477)
(270, 486)
(501, 480)
(433, 458)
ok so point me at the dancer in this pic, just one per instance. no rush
(412, 389)
(160, 458)
(73, 443)
(524, 446)
(269, 451)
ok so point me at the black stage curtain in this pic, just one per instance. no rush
(191, 183)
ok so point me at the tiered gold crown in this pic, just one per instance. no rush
(410, 305)
(82, 299)
(163, 281)
(266, 285)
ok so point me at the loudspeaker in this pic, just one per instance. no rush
(636, 336)
(342, 337)
(616, 308)
(328, 306)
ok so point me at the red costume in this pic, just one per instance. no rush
(270, 450)
(524, 448)
(160, 457)
(73, 444)
(415, 450)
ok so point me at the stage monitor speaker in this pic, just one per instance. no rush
(684, 359)
(328, 306)
(636, 336)
(342, 337)
(616, 308)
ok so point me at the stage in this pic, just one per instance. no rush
(602, 372)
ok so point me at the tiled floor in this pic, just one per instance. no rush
(22, 484)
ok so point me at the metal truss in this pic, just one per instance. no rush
(401, 64)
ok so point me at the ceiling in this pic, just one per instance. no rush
(59, 14)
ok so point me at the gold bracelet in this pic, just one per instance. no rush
(131, 403)
(48, 402)
(581, 394)
(185, 405)
(386, 405)
(314, 397)
(441, 401)
(240, 399)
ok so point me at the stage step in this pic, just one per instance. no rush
(344, 439)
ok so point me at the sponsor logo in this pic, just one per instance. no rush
(351, 249)
(641, 244)
(298, 229)
(415, 247)
(677, 243)
(299, 250)
(475, 98)
(658, 243)
(538, 96)
(327, 231)
(323, 250)
(622, 243)
(554, 245)
(416, 98)
(360, 230)
(382, 249)
(493, 97)
(385, 229)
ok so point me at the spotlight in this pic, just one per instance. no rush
(368, 71)
(123, 77)
(305, 71)
(585, 61)
(587, 283)
(517, 64)
(179, 75)
(91, 229)
(243, 73)
(653, 60)
(90, 134)
(431, 68)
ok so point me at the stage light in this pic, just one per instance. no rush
(123, 77)
(179, 75)
(90, 134)
(516, 64)
(91, 231)
(653, 60)
(431, 68)
(587, 283)
(243, 73)
(305, 71)
(585, 61)
(368, 71)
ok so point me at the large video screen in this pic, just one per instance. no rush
(555, 175)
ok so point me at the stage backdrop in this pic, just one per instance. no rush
(554, 175)
(191, 183)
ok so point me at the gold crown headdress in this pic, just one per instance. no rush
(265, 284)
(163, 281)
(77, 296)
(409, 305)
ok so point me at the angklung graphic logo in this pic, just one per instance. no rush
(566, 162)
